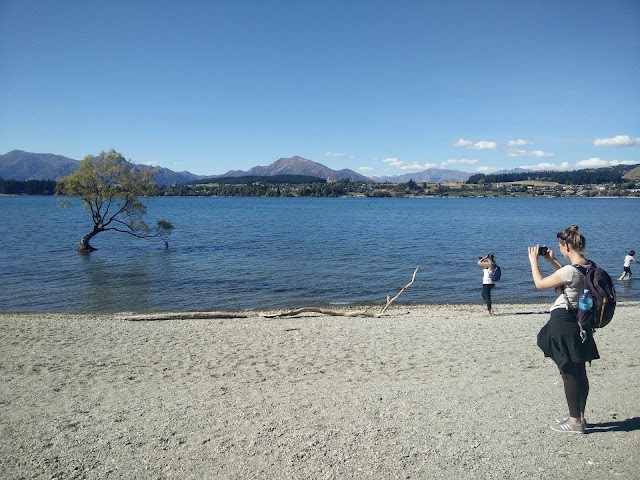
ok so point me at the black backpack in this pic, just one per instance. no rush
(496, 274)
(603, 293)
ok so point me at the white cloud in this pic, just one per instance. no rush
(392, 161)
(596, 162)
(366, 169)
(547, 166)
(514, 152)
(459, 161)
(481, 145)
(151, 164)
(592, 163)
(413, 166)
(617, 141)
(334, 154)
(485, 169)
(463, 143)
(417, 166)
(518, 143)
(624, 162)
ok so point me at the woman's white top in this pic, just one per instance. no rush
(486, 279)
(574, 287)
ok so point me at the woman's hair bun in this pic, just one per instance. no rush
(574, 237)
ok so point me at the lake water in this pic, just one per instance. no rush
(265, 253)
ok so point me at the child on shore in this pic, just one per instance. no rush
(627, 264)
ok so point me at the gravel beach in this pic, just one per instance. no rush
(435, 391)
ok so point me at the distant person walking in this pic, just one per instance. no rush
(488, 263)
(560, 339)
(631, 257)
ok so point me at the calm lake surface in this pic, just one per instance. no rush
(263, 253)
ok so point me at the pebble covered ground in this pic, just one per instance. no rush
(435, 391)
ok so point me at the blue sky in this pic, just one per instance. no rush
(380, 87)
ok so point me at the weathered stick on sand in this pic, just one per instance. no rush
(149, 317)
(359, 313)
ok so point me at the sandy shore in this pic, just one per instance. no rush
(424, 392)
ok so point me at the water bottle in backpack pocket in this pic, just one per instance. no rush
(585, 308)
(586, 302)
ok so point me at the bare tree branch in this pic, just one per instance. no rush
(360, 313)
(389, 302)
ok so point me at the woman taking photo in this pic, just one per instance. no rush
(488, 262)
(560, 338)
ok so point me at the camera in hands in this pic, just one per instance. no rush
(543, 250)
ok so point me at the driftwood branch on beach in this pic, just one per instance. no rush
(151, 317)
(324, 311)
(148, 317)
(358, 313)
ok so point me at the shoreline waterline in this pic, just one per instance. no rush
(509, 308)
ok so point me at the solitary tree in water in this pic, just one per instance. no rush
(111, 187)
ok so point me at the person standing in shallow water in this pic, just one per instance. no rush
(631, 257)
(488, 263)
(560, 339)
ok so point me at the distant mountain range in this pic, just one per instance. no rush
(431, 175)
(298, 166)
(19, 165)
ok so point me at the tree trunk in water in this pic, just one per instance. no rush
(84, 246)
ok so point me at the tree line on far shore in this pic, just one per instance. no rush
(344, 188)
(305, 186)
(27, 187)
(590, 176)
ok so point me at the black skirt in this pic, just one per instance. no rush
(560, 340)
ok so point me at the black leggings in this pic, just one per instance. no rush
(486, 294)
(576, 387)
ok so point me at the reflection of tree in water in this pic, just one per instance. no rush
(119, 283)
